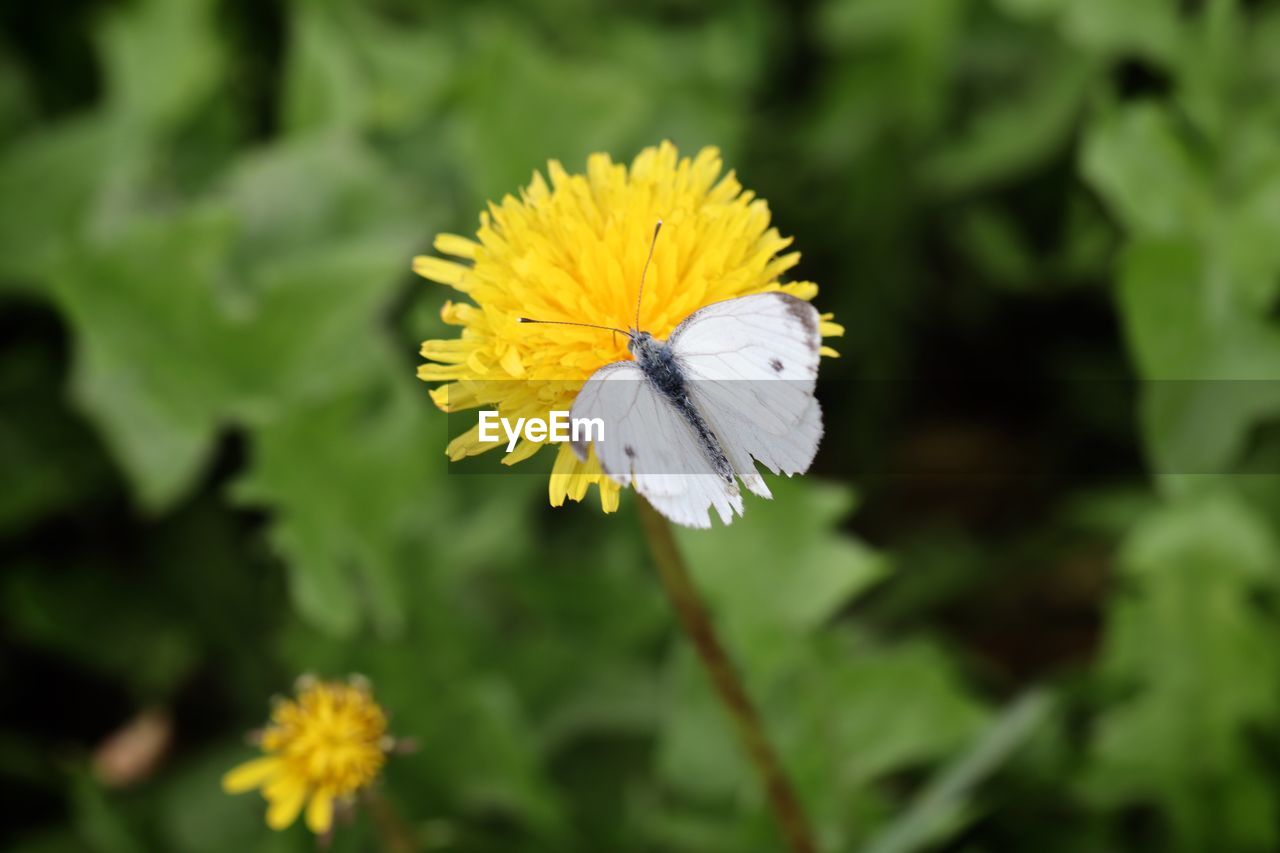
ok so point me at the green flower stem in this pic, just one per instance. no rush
(696, 622)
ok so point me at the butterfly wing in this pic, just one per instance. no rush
(649, 444)
(750, 366)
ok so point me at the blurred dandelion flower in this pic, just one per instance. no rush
(573, 250)
(323, 746)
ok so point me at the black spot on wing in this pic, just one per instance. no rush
(776, 365)
(804, 312)
(630, 451)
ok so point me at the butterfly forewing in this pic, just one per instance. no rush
(750, 366)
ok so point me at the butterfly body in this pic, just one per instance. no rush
(661, 367)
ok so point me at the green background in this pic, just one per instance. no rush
(1057, 631)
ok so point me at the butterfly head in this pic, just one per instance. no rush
(648, 350)
(640, 342)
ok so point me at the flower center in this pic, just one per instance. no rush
(331, 736)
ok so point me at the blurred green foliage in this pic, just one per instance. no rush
(220, 471)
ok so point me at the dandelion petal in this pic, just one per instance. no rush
(320, 813)
(285, 804)
(250, 775)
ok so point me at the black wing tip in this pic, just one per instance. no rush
(802, 311)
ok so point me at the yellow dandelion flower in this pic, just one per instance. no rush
(573, 250)
(322, 746)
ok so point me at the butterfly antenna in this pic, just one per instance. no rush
(645, 271)
(613, 329)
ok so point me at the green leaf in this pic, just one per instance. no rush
(521, 99)
(1149, 28)
(350, 69)
(150, 327)
(879, 709)
(1019, 130)
(347, 476)
(217, 313)
(324, 83)
(306, 193)
(940, 807)
(55, 172)
(778, 578)
(163, 60)
(1136, 159)
(773, 584)
(1226, 199)
(1183, 641)
(1214, 368)
(1248, 217)
(912, 42)
(100, 825)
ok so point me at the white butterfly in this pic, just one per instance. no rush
(690, 416)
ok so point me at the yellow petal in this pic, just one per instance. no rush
(459, 247)
(457, 314)
(286, 803)
(455, 396)
(252, 774)
(511, 362)
(441, 372)
(523, 451)
(561, 473)
(442, 271)
(440, 396)
(452, 351)
(805, 290)
(610, 493)
(469, 444)
(587, 473)
(320, 812)
(781, 264)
